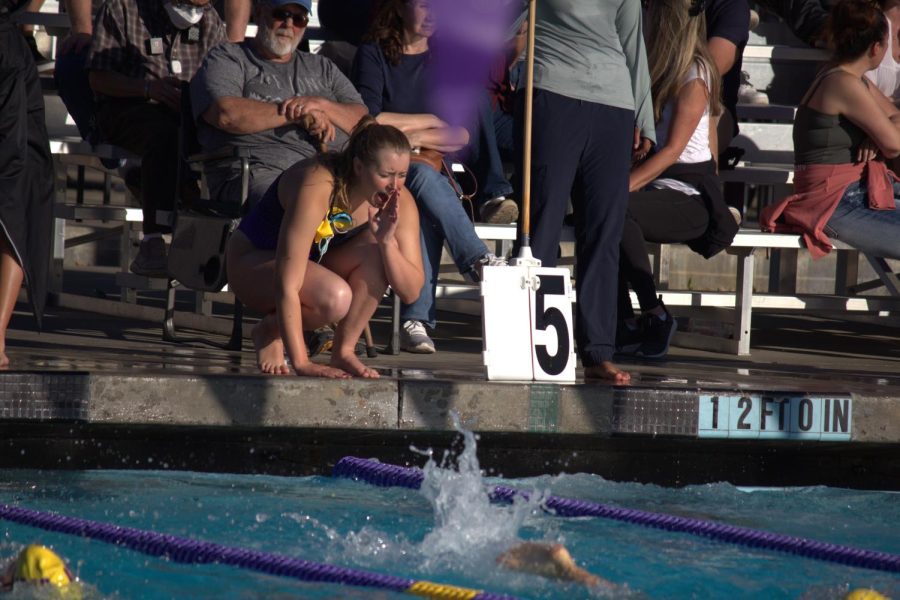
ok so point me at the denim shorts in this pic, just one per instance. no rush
(872, 231)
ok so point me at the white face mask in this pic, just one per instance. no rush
(184, 15)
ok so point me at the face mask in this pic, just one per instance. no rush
(184, 15)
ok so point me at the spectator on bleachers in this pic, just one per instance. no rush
(505, 78)
(675, 193)
(807, 18)
(392, 75)
(323, 244)
(886, 76)
(27, 30)
(381, 76)
(26, 177)
(141, 54)
(70, 71)
(591, 100)
(841, 125)
(727, 33)
(265, 95)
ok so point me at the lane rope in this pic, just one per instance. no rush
(186, 550)
(388, 475)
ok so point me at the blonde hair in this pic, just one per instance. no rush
(677, 41)
(366, 140)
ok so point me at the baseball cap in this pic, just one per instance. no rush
(307, 4)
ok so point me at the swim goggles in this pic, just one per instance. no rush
(338, 222)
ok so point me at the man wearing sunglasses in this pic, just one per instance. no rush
(265, 95)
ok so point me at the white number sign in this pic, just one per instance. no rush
(527, 322)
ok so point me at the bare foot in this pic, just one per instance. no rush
(269, 347)
(311, 369)
(351, 364)
(608, 372)
(4, 359)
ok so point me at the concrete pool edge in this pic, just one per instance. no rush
(423, 404)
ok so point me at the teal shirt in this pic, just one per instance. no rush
(594, 50)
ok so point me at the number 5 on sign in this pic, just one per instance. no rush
(527, 324)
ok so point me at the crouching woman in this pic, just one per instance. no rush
(322, 245)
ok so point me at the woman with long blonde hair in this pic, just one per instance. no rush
(675, 193)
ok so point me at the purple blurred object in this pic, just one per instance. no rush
(470, 36)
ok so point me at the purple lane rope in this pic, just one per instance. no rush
(185, 550)
(388, 475)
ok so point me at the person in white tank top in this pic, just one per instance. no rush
(686, 90)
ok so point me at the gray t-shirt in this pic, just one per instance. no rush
(594, 50)
(235, 70)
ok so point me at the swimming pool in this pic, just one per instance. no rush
(448, 533)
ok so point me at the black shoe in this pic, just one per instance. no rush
(319, 340)
(657, 334)
(629, 339)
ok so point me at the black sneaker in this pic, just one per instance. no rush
(657, 334)
(629, 339)
(319, 340)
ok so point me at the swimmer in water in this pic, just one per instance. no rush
(549, 560)
(38, 565)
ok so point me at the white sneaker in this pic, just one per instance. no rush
(488, 260)
(747, 94)
(414, 338)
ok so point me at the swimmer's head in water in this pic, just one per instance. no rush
(40, 565)
(864, 594)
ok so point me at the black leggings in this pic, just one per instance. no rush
(662, 216)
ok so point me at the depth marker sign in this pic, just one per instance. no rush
(769, 416)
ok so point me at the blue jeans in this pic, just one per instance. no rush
(872, 231)
(441, 217)
(483, 154)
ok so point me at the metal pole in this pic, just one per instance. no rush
(529, 101)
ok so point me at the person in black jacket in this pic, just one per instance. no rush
(26, 176)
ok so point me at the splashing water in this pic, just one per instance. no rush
(466, 523)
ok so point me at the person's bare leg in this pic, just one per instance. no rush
(607, 372)
(359, 262)
(269, 347)
(251, 276)
(11, 276)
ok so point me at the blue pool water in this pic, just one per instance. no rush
(446, 533)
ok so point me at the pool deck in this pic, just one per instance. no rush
(104, 390)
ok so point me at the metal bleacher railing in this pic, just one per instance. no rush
(767, 167)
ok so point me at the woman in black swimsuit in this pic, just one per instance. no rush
(322, 245)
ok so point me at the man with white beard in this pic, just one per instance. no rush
(264, 95)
